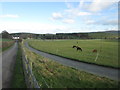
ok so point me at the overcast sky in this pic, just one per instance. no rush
(59, 17)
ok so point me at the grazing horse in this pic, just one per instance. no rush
(94, 51)
(74, 47)
(78, 48)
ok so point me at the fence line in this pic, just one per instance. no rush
(30, 79)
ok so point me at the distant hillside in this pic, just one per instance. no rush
(104, 35)
(88, 35)
(112, 31)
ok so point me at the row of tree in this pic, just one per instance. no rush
(6, 35)
(98, 35)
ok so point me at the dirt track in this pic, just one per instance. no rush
(8, 62)
(91, 68)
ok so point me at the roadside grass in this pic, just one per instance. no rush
(51, 74)
(5, 44)
(18, 80)
(3, 39)
(107, 50)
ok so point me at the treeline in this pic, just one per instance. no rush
(91, 35)
(4, 34)
(65, 36)
(53, 36)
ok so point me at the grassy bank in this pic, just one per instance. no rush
(18, 76)
(5, 44)
(107, 50)
(51, 74)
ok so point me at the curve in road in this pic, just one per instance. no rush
(8, 62)
(102, 71)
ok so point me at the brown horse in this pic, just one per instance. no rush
(94, 51)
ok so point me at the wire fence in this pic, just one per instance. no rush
(30, 79)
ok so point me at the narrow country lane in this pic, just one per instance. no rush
(8, 62)
(90, 68)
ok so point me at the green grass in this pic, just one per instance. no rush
(5, 44)
(5, 39)
(103, 35)
(5, 48)
(18, 76)
(107, 50)
(51, 74)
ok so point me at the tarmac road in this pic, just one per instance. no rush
(91, 68)
(8, 62)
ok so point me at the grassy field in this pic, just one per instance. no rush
(5, 44)
(107, 50)
(51, 74)
(18, 80)
(104, 35)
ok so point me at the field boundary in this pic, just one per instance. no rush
(7, 48)
(76, 59)
(30, 79)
